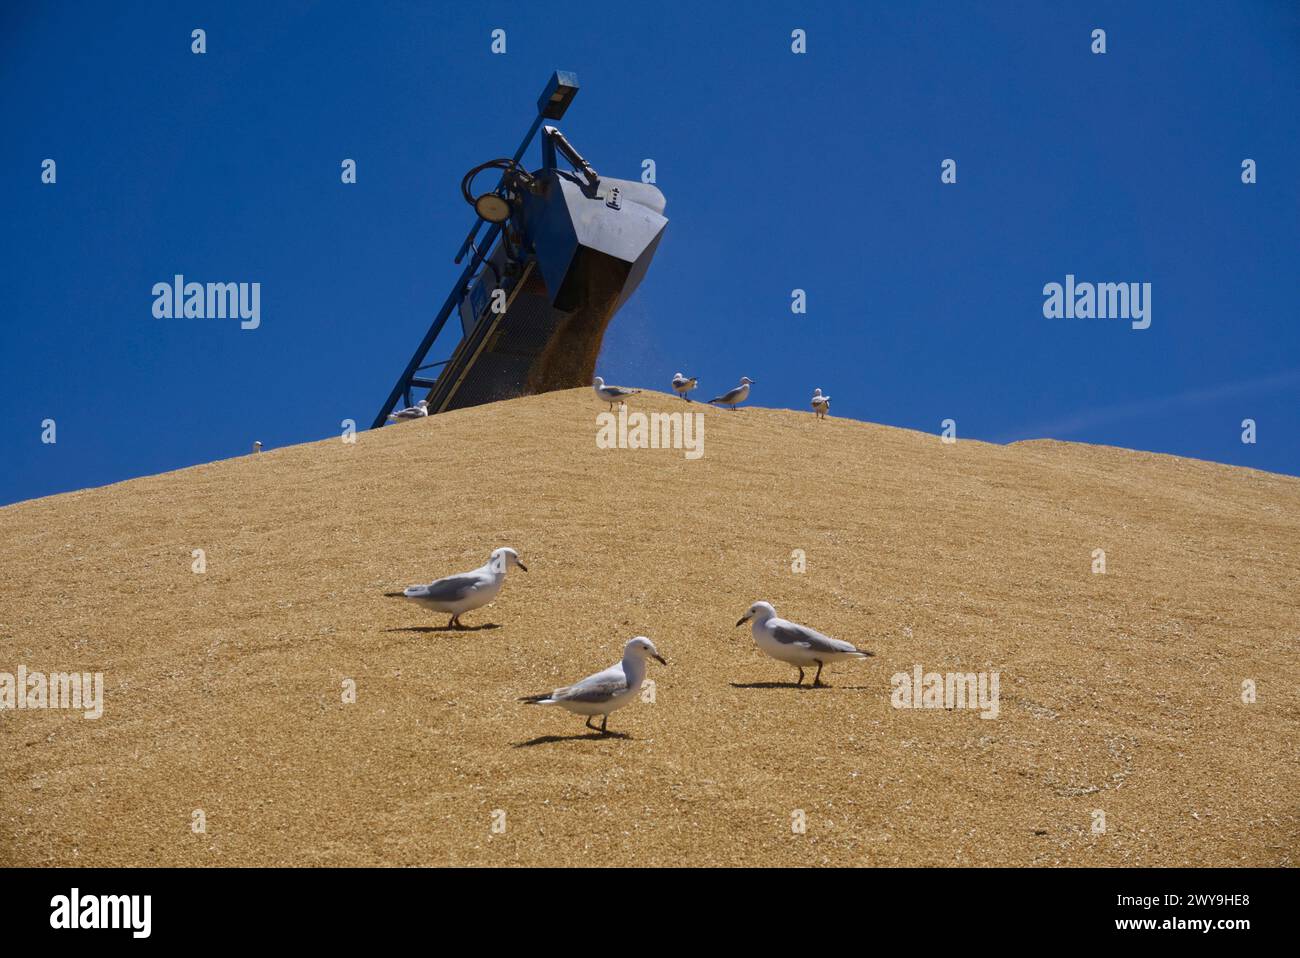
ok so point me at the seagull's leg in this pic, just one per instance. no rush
(818, 679)
(604, 720)
(453, 624)
(800, 668)
(588, 723)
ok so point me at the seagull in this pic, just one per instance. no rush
(796, 644)
(611, 394)
(605, 691)
(821, 404)
(682, 385)
(257, 445)
(467, 591)
(734, 396)
(418, 411)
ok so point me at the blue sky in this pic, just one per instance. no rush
(818, 171)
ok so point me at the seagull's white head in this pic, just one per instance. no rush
(678, 376)
(642, 648)
(422, 403)
(759, 612)
(598, 382)
(816, 393)
(503, 558)
(746, 381)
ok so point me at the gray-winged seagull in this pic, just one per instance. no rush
(458, 594)
(418, 411)
(796, 644)
(611, 394)
(605, 691)
(733, 397)
(682, 385)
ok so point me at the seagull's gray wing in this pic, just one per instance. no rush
(451, 589)
(788, 633)
(729, 396)
(594, 689)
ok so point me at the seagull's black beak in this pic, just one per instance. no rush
(743, 620)
(521, 565)
(660, 659)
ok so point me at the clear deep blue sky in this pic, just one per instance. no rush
(819, 171)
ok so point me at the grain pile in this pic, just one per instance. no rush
(1120, 693)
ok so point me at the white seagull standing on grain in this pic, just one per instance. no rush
(821, 404)
(458, 594)
(418, 411)
(682, 385)
(605, 691)
(611, 394)
(796, 644)
(734, 396)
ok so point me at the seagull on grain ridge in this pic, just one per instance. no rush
(734, 396)
(796, 644)
(418, 411)
(605, 691)
(466, 591)
(611, 394)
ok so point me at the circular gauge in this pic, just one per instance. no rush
(492, 208)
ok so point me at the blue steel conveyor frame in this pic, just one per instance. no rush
(555, 99)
